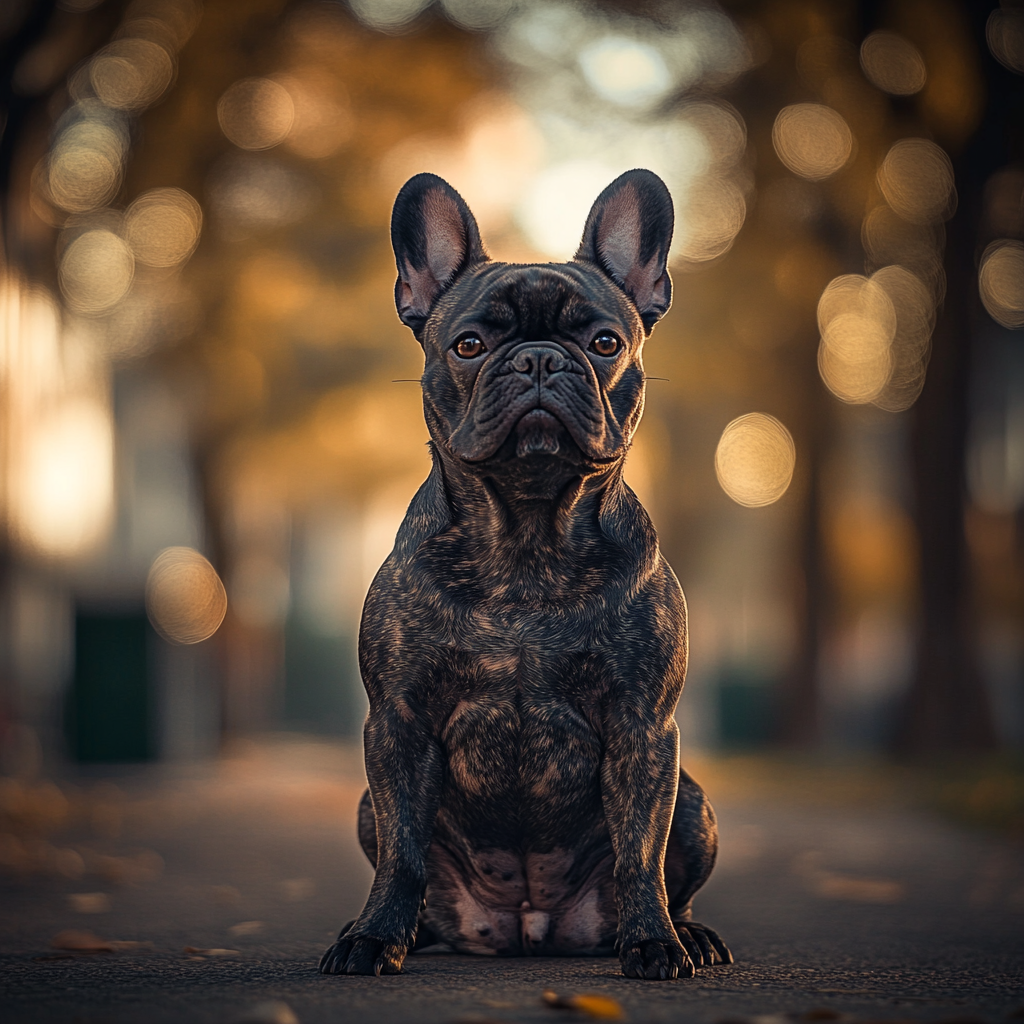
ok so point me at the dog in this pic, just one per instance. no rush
(524, 646)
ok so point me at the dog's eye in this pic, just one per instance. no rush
(605, 344)
(469, 348)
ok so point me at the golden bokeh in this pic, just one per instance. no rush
(1004, 33)
(322, 121)
(723, 130)
(916, 179)
(708, 225)
(755, 459)
(85, 165)
(915, 317)
(889, 239)
(893, 63)
(1001, 282)
(131, 74)
(162, 227)
(185, 598)
(96, 269)
(812, 140)
(857, 321)
(256, 113)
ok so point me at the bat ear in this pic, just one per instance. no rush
(435, 238)
(627, 235)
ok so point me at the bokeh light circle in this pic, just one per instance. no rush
(755, 459)
(96, 269)
(185, 598)
(707, 226)
(256, 113)
(131, 74)
(916, 178)
(85, 165)
(857, 320)
(1001, 282)
(812, 140)
(625, 71)
(893, 63)
(162, 227)
(1004, 33)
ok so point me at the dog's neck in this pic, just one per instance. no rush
(530, 507)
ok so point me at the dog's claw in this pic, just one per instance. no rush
(703, 944)
(362, 955)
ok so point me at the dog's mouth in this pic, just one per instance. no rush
(539, 432)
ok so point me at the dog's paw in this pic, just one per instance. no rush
(362, 954)
(655, 960)
(703, 944)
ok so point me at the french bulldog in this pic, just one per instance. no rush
(524, 646)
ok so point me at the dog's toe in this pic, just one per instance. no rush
(362, 955)
(656, 961)
(703, 944)
(333, 961)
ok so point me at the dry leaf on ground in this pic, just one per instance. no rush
(271, 1012)
(246, 928)
(599, 1007)
(80, 942)
(89, 902)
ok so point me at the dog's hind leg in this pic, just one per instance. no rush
(689, 858)
(367, 827)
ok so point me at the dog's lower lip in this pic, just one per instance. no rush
(538, 418)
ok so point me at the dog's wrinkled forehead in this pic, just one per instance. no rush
(535, 302)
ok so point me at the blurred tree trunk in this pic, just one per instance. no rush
(947, 708)
(799, 724)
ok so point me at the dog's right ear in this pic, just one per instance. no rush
(435, 238)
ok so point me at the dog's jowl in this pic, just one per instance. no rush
(524, 645)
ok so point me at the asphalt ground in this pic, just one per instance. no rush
(208, 894)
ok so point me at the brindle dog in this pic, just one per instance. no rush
(524, 645)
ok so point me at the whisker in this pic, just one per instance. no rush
(656, 378)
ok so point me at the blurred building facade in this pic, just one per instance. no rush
(211, 424)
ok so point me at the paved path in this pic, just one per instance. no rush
(880, 914)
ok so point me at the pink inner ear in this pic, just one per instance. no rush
(446, 236)
(618, 241)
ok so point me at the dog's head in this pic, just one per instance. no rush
(533, 359)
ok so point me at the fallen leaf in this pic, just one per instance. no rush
(194, 951)
(296, 889)
(80, 942)
(225, 895)
(270, 1012)
(860, 890)
(89, 902)
(246, 928)
(599, 1007)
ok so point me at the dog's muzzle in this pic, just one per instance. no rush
(539, 391)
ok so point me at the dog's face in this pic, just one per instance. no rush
(538, 358)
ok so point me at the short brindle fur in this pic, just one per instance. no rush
(524, 645)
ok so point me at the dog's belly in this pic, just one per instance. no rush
(521, 861)
(504, 903)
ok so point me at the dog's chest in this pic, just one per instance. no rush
(524, 731)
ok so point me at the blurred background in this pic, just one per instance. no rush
(210, 423)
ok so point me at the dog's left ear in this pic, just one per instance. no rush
(627, 235)
(435, 238)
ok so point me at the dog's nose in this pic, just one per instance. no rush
(538, 362)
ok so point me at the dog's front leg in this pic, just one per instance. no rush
(639, 782)
(403, 766)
